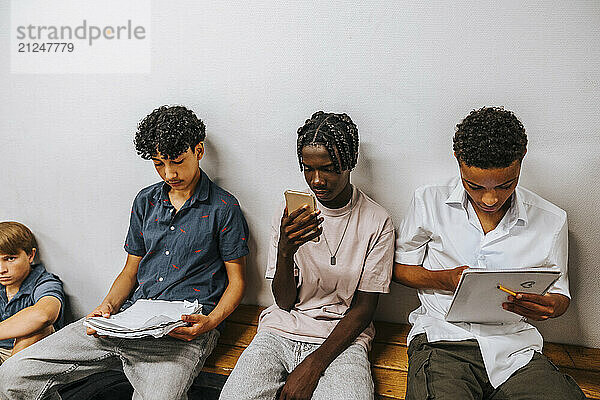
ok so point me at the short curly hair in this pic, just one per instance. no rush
(490, 137)
(333, 131)
(170, 131)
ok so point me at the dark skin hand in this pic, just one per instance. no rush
(302, 381)
(297, 228)
(537, 307)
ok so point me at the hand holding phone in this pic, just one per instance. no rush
(300, 221)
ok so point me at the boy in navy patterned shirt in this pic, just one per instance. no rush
(187, 240)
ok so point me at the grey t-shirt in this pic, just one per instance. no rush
(325, 291)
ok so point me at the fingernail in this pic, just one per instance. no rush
(519, 296)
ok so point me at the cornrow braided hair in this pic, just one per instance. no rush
(337, 133)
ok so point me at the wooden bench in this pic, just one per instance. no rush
(388, 355)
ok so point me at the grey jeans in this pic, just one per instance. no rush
(263, 367)
(158, 369)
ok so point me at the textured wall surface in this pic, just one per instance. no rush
(406, 72)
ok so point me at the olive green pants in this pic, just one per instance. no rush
(455, 370)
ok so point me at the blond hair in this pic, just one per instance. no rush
(15, 237)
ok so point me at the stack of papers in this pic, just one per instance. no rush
(144, 318)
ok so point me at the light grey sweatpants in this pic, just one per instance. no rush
(263, 367)
(158, 369)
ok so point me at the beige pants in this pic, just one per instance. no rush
(4, 354)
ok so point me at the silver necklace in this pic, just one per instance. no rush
(333, 260)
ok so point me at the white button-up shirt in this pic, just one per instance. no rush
(441, 231)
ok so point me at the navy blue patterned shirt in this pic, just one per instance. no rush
(39, 283)
(183, 252)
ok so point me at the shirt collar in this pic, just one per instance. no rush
(201, 191)
(458, 196)
(517, 208)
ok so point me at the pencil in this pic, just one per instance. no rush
(507, 290)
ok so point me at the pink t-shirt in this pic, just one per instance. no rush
(325, 291)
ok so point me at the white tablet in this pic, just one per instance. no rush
(478, 298)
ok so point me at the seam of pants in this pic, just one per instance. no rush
(72, 368)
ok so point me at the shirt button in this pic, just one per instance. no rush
(167, 252)
(161, 279)
(172, 228)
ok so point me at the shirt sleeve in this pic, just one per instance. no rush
(134, 242)
(233, 233)
(413, 235)
(559, 258)
(377, 270)
(50, 285)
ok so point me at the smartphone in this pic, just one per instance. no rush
(295, 199)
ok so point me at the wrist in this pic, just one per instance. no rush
(285, 255)
(317, 362)
(445, 280)
(213, 321)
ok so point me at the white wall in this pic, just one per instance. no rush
(406, 72)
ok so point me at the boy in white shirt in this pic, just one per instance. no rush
(482, 220)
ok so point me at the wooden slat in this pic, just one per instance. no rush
(588, 381)
(245, 314)
(584, 357)
(558, 355)
(392, 357)
(391, 384)
(386, 332)
(236, 334)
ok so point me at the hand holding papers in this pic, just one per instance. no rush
(479, 299)
(144, 318)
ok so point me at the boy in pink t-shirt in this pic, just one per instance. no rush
(313, 341)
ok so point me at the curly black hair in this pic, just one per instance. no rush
(170, 131)
(490, 137)
(335, 132)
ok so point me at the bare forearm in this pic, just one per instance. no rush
(26, 341)
(284, 283)
(30, 320)
(229, 301)
(418, 277)
(120, 290)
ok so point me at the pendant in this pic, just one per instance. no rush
(332, 260)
